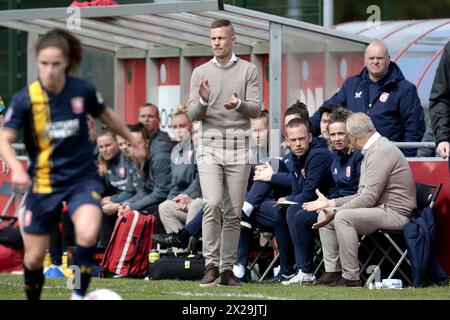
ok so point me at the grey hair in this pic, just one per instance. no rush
(360, 124)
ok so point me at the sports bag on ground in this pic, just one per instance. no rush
(131, 241)
(184, 267)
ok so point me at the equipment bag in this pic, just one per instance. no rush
(11, 260)
(11, 242)
(11, 237)
(131, 241)
(178, 267)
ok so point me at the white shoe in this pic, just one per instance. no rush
(238, 270)
(301, 278)
(246, 225)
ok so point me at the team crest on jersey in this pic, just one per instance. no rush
(348, 171)
(27, 218)
(122, 172)
(95, 195)
(384, 96)
(77, 105)
(99, 97)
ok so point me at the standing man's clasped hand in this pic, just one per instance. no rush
(233, 102)
(204, 91)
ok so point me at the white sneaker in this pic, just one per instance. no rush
(301, 278)
(238, 270)
(245, 224)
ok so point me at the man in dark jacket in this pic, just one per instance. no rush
(184, 199)
(382, 92)
(146, 192)
(310, 170)
(271, 182)
(159, 140)
(440, 104)
(309, 166)
(152, 181)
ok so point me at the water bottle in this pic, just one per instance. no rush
(47, 260)
(276, 270)
(65, 265)
(65, 262)
(387, 284)
(153, 256)
(392, 283)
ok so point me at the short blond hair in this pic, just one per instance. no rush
(181, 109)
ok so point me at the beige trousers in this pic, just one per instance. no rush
(339, 238)
(174, 219)
(223, 185)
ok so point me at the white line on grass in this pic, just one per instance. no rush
(12, 284)
(234, 295)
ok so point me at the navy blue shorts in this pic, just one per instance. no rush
(43, 211)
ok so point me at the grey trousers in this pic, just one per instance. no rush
(226, 184)
(339, 238)
(174, 219)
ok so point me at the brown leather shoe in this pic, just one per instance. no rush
(328, 278)
(347, 283)
(210, 276)
(227, 279)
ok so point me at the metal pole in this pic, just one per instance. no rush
(294, 10)
(275, 87)
(328, 13)
(414, 145)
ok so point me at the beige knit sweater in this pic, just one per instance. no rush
(386, 179)
(216, 120)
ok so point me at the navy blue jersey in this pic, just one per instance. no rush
(346, 169)
(392, 103)
(56, 132)
(310, 172)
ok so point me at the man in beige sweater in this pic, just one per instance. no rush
(224, 95)
(386, 196)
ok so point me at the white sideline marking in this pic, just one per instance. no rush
(13, 284)
(234, 295)
(177, 293)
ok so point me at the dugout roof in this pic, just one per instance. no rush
(170, 29)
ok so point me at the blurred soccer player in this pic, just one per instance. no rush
(52, 111)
